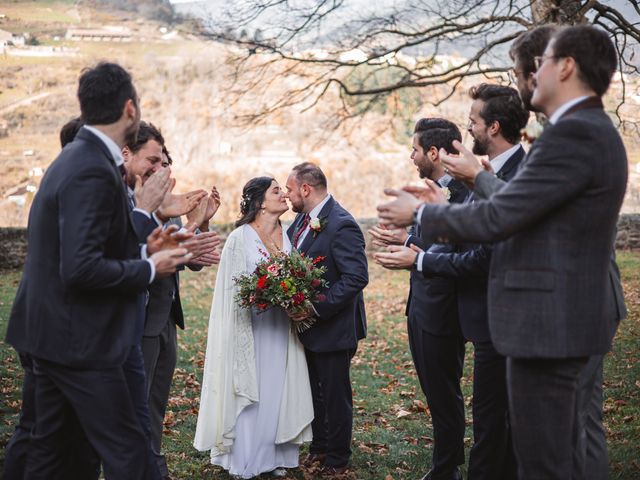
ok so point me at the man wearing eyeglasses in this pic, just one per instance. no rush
(550, 302)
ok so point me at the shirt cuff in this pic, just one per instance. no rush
(419, 214)
(145, 256)
(407, 241)
(419, 261)
(144, 212)
(155, 217)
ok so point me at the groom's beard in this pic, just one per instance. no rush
(297, 207)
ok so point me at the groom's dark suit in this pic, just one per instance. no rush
(491, 456)
(549, 292)
(341, 322)
(76, 311)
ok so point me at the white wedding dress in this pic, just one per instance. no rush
(255, 405)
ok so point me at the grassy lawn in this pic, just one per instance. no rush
(392, 435)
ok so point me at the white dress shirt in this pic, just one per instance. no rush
(116, 153)
(564, 107)
(313, 214)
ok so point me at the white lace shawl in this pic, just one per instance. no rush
(229, 382)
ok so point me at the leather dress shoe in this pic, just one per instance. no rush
(313, 459)
(331, 472)
(455, 475)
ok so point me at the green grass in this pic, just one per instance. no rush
(384, 383)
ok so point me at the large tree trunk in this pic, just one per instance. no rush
(557, 11)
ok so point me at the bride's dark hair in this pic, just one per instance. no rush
(252, 197)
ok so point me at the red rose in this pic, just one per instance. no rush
(262, 281)
(315, 283)
(317, 260)
(321, 298)
(262, 306)
(298, 298)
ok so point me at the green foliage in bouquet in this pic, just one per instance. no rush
(291, 281)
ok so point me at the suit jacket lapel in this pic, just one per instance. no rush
(511, 164)
(291, 231)
(311, 235)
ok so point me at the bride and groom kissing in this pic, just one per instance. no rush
(266, 389)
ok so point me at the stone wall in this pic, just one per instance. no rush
(13, 247)
(13, 241)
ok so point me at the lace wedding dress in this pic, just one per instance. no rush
(255, 406)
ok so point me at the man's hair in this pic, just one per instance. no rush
(529, 45)
(147, 131)
(592, 50)
(437, 132)
(503, 105)
(103, 92)
(166, 153)
(69, 130)
(311, 174)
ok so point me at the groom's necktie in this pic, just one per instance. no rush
(303, 227)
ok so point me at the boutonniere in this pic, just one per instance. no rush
(534, 129)
(317, 225)
(446, 192)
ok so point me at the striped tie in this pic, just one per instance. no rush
(303, 227)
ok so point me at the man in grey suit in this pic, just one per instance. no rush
(550, 302)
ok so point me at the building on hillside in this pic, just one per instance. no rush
(105, 34)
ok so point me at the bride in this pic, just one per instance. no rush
(255, 406)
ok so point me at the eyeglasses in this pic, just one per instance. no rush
(538, 61)
(512, 73)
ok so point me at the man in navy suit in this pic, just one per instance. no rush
(323, 228)
(435, 338)
(76, 309)
(496, 118)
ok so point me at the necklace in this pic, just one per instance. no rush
(273, 245)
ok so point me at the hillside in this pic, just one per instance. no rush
(187, 88)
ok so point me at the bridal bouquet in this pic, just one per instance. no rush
(280, 280)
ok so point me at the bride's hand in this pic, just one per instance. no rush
(300, 315)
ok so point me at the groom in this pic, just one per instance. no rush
(324, 228)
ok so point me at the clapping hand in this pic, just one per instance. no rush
(399, 212)
(464, 167)
(166, 239)
(151, 195)
(213, 203)
(175, 205)
(206, 259)
(203, 243)
(383, 236)
(432, 193)
(397, 257)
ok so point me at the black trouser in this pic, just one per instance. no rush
(101, 402)
(79, 460)
(160, 356)
(590, 457)
(542, 405)
(491, 456)
(332, 405)
(438, 361)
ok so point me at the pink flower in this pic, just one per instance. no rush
(274, 268)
